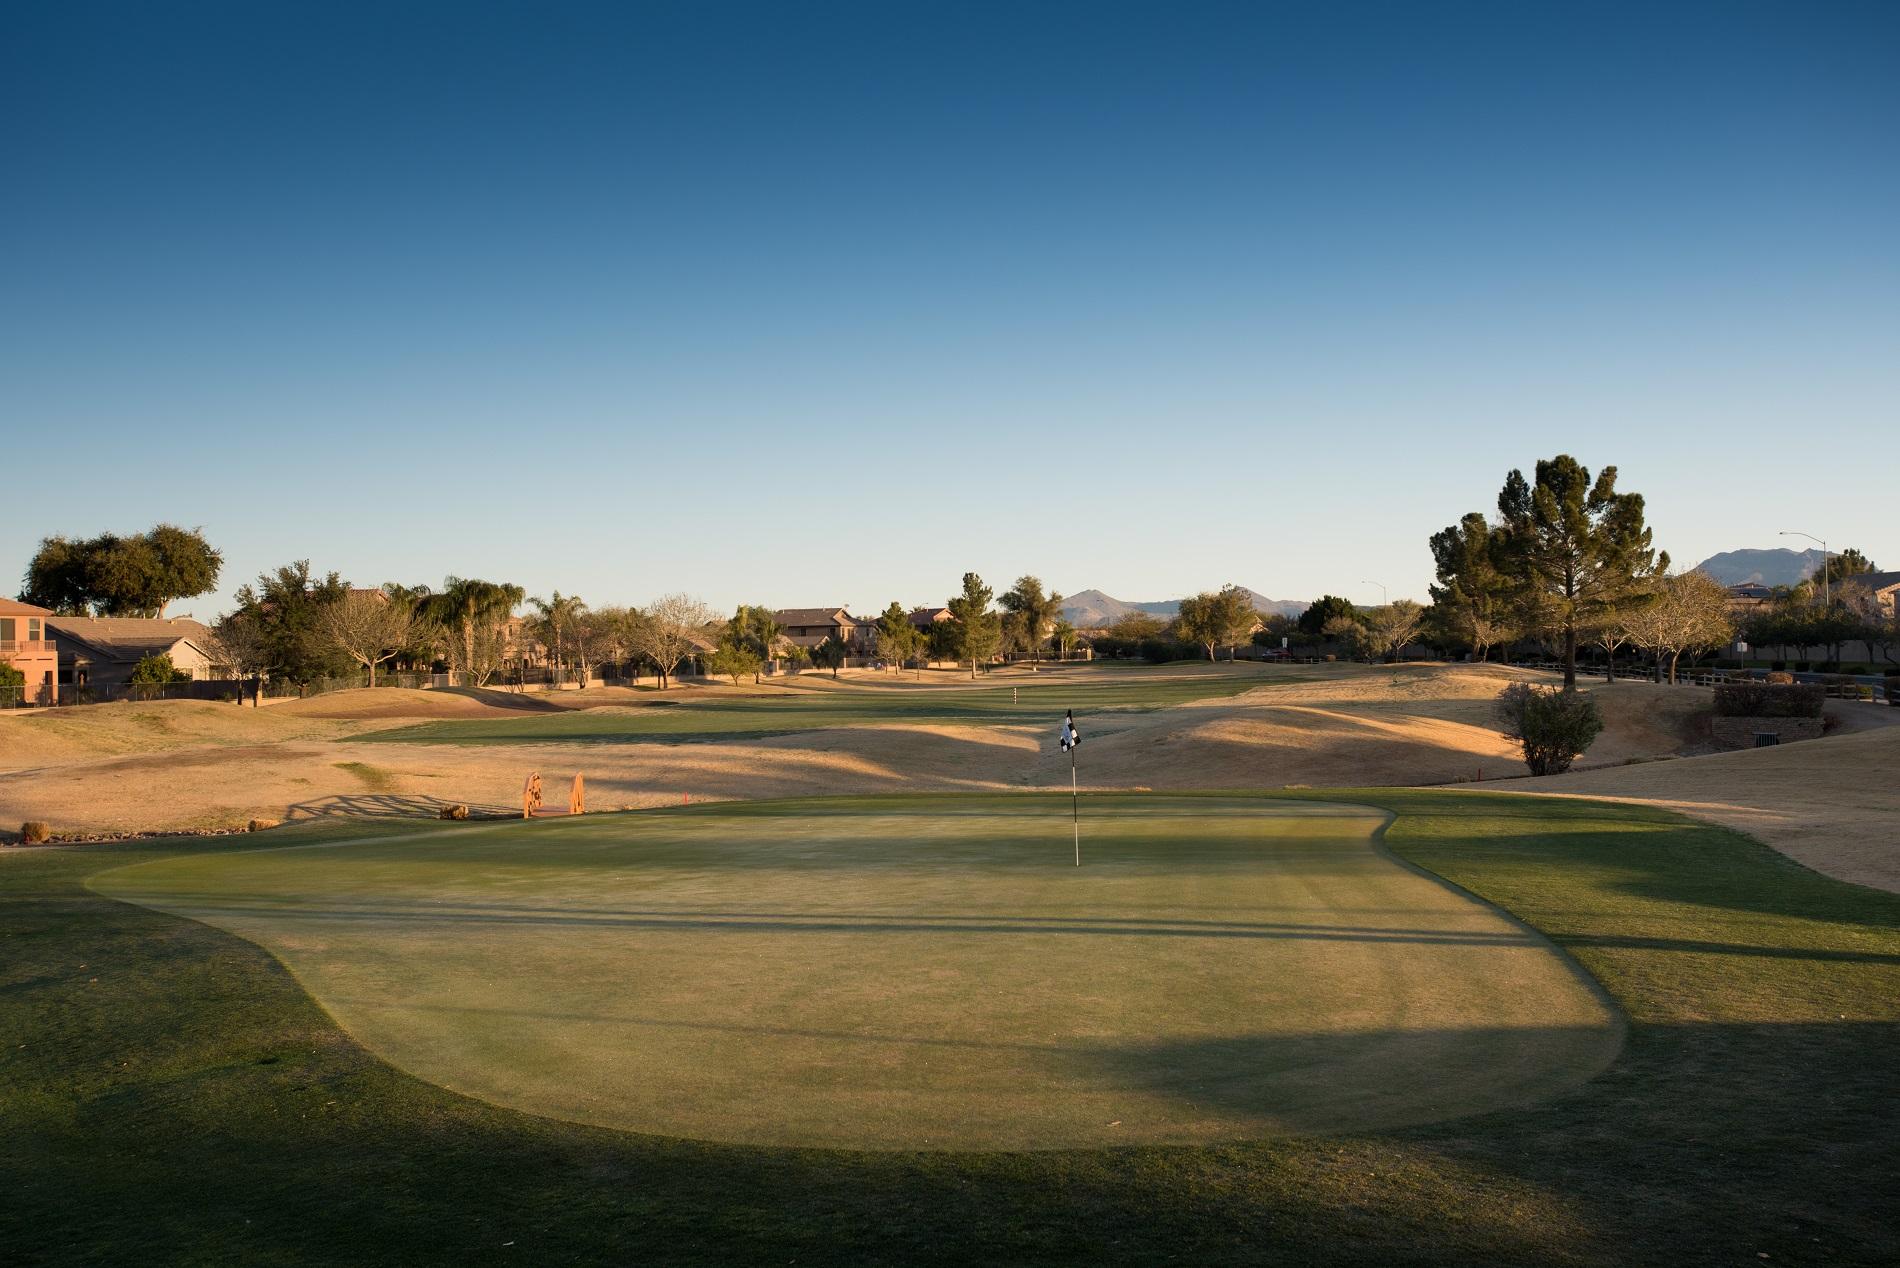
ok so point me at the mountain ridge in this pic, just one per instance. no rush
(1778, 566)
(1094, 609)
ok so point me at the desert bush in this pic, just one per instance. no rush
(1770, 700)
(34, 832)
(1554, 727)
(260, 825)
(1779, 678)
(455, 812)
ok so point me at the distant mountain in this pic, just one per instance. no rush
(1092, 609)
(1778, 567)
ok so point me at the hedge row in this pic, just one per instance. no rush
(1770, 700)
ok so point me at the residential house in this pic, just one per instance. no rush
(102, 651)
(24, 645)
(1872, 591)
(926, 619)
(1746, 598)
(808, 627)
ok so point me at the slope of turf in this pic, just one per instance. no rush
(169, 1095)
(794, 706)
(920, 972)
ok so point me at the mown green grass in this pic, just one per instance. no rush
(795, 707)
(170, 1096)
(919, 972)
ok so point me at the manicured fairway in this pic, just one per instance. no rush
(812, 703)
(920, 972)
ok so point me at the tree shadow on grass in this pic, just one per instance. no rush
(388, 806)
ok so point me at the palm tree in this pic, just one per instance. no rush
(559, 616)
(465, 604)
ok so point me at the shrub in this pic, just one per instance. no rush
(1159, 651)
(1779, 678)
(34, 832)
(1778, 666)
(260, 825)
(455, 812)
(1770, 699)
(1555, 727)
(157, 668)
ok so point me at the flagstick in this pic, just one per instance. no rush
(1076, 814)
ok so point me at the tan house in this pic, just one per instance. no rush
(1873, 591)
(808, 627)
(25, 646)
(102, 651)
(926, 619)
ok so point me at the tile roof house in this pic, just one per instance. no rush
(24, 645)
(102, 651)
(808, 627)
(924, 618)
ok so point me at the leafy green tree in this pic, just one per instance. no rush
(111, 575)
(12, 684)
(735, 661)
(286, 604)
(756, 627)
(1034, 613)
(1215, 619)
(944, 641)
(1133, 627)
(1350, 633)
(755, 631)
(830, 654)
(978, 629)
(1574, 546)
(1845, 564)
(1473, 593)
(897, 639)
(1322, 612)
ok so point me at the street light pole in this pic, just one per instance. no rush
(1827, 592)
(1384, 598)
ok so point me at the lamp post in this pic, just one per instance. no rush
(1827, 595)
(1383, 597)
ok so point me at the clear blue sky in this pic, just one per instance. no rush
(813, 303)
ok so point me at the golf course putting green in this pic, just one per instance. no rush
(918, 972)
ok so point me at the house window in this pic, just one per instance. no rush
(32, 629)
(6, 629)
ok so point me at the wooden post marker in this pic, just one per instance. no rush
(577, 796)
(531, 795)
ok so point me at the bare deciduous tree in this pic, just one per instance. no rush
(1689, 613)
(1391, 627)
(244, 644)
(368, 627)
(672, 629)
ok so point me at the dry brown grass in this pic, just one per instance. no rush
(1831, 803)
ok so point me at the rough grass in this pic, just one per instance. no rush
(795, 707)
(170, 1095)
